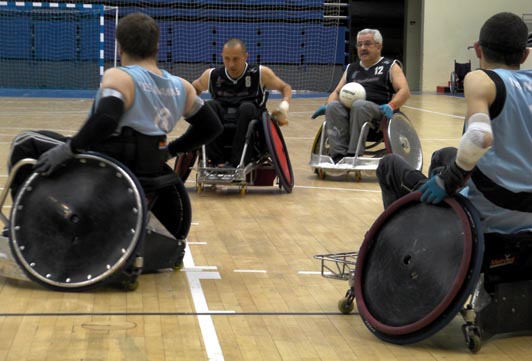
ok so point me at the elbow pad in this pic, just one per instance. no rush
(102, 122)
(475, 142)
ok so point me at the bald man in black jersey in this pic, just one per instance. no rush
(238, 91)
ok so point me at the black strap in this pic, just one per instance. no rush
(500, 196)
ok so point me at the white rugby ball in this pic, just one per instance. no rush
(351, 92)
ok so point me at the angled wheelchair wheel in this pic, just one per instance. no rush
(80, 227)
(317, 141)
(278, 152)
(172, 204)
(315, 151)
(452, 83)
(184, 163)
(416, 267)
(401, 138)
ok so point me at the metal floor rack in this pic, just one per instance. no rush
(338, 266)
(341, 266)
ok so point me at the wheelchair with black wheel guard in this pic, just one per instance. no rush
(395, 135)
(419, 266)
(90, 224)
(269, 165)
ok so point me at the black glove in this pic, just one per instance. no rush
(50, 160)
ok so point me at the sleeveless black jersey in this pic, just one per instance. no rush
(232, 92)
(376, 79)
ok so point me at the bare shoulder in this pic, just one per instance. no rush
(114, 77)
(478, 86)
(478, 82)
(477, 77)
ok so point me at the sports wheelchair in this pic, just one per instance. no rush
(265, 147)
(421, 265)
(90, 224)
(456, 83)
(395, 135)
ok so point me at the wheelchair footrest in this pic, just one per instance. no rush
(338, 265)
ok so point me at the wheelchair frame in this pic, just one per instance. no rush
(146, 245)
(322, 164)
(125, 271)
(485, 312)
(456, 82)
(270, 165)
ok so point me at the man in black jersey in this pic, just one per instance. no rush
(238, 92)
(386, 90)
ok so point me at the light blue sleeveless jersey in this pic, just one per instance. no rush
(509, 161)
(159, 102)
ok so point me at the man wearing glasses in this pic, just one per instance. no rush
(386, 90)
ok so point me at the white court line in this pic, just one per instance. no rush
(339, 189)
(250, 271)
(313, 273)
(201, 243)
(198, 268)
(433, 112)
(423, 110)
(208, 331)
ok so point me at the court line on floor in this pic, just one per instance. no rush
(339, 189)
(208, 331)
(210, 313)
(433, 112)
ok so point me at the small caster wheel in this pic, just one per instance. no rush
(130, 284)
(199, 187)
(243, 189)
(344, 306)
(474, 343)
(321, 173)
(179, 266)
(358, 176)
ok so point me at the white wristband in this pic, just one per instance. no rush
(284, 106)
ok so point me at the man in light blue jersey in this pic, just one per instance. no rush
(493, 156)
(137, 105)
(135, 108)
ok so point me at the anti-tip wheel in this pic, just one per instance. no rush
(344, 306)
(130, 284)
(321, 173)
(358, 176)
(474, 343)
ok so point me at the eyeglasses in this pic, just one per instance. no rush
(367, 44)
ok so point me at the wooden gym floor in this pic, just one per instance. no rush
(250, 289)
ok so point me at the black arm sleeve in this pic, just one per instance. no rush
(204, 127)
(100, 125)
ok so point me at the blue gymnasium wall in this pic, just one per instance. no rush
(186, 20)
(285, 26)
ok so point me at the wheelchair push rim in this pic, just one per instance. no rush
(65, 233)
(412, 280)
(278, 152)
(184, 163)
(401, 138)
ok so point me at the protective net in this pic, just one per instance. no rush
(303, 41)
(51, 45)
